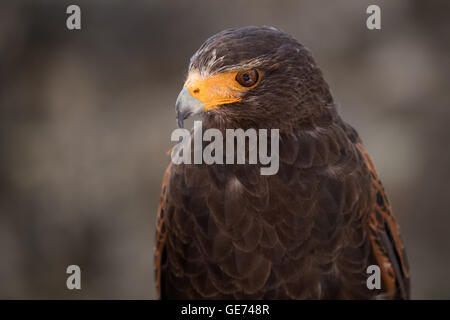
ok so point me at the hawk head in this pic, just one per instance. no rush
(255, 77)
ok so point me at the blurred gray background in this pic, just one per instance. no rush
(86, 117)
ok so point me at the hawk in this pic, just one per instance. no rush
(310, 231)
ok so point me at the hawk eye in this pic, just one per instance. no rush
(247, 78)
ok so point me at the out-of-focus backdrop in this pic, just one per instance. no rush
(86, 117)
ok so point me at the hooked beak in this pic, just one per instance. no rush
(186, 106)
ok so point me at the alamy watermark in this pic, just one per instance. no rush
(235, 139)
(373, 21)
(74, 280)
(73, 21)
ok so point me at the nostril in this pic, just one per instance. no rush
(197, 90)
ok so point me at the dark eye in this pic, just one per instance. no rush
(247, 78)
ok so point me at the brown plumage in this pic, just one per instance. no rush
(308, 232)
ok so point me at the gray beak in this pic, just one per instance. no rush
(186, 106)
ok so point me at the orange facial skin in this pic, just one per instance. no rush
(217, 89)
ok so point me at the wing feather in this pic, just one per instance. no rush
(160, 240)
(387, 245)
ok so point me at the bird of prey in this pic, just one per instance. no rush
(310, 231)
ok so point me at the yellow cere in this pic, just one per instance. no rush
(215, 90)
